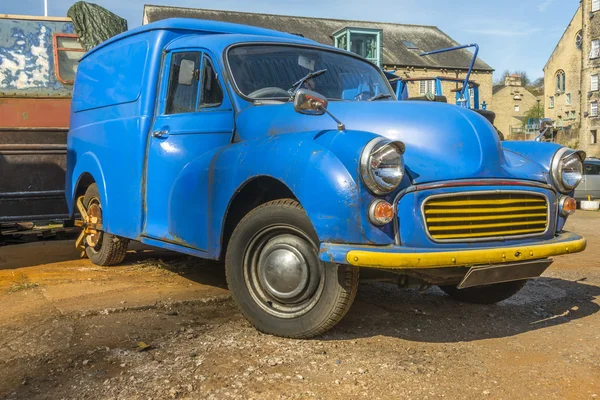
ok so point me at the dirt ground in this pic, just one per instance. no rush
(164, 326)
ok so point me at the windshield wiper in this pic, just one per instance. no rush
(380, 96)
(310, 75)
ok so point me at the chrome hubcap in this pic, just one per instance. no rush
(283, 272)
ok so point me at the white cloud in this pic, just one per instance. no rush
(544, 5)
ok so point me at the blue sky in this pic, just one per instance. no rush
(512, 34)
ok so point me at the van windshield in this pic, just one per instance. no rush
(269, 71)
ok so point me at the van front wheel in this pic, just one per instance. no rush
(101, 248)
(276, 277)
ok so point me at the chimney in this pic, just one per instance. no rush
(513, 80)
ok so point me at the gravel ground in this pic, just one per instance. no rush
(164, 326)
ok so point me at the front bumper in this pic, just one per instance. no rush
(398, 257)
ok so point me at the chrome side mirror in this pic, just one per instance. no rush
(312, 103)
(309, 102)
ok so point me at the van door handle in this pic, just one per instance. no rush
(161, 133)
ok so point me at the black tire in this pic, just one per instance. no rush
(489, 294)
(110, 249)
(317, 302)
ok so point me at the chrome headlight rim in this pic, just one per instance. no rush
(366, 171)
(556, 171)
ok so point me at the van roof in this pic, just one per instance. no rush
(200, 26)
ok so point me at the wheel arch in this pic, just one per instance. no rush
(251, 194)
(84, 181)
(86, 172)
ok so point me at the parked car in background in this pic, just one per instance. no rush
(295, 164)
(590, 184)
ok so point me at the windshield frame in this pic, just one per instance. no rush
(302, 45)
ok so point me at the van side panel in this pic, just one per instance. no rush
(111, 117)
(120, 69)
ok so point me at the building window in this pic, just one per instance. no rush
(594, 109)
(560, 81)
(568, 99)
(551, 105)
(67, 52)
(594, 137)
(595, 53)
(594, 85)
(410, 45)
(364, 42)
(579, 40)
(516, 108)
(595, 5)
(427, 87)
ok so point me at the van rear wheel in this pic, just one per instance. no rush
(276, 277)
(101, 248)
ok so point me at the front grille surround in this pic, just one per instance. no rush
(512, 214)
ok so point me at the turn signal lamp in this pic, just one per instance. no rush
(567, 206)
(381, 212)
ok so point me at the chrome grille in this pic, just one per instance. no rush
(485, 215)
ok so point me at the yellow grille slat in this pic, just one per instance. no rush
(483, 218)
(488, 234)
(482, 215)
(483, 210)
(494, 202)
(481, 226)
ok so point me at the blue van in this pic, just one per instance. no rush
(295, 164)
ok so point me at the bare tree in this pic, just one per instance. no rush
(525, 80)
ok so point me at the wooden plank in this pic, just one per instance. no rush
(35, 18)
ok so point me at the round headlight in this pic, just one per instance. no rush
(381, 165)
(567, 169)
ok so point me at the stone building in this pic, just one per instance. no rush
(571, 79)
(394, 47)
(511, 103)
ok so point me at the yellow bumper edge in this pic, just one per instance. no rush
(464, 257)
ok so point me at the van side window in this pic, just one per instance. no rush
(211, 93)
(183, 83)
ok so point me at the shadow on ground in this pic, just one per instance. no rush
(432, 316)
(379, 309)
(57, 251)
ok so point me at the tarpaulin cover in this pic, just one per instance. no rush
(95, 24)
